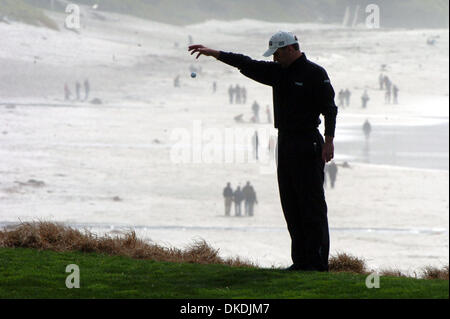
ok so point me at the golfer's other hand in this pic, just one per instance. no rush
(327, 152)
(202, 50)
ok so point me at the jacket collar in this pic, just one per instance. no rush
(301, 60)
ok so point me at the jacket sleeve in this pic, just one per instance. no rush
(261, 71)
(324, 95)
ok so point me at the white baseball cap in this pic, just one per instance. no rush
(279, 40)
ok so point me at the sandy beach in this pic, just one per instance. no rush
(108, 166)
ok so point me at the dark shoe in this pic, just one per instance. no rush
(293, 267)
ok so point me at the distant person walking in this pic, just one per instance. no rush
(214, 87)
(381, 81)
(249, 199)
(176, 81)
(228, 197)
(255, 145)
(347, 95)
(387, 96)
(395, 93)
(231, 94)
(67, 93)
(332, 172)
(87, 89)
(341, 98)
(269, 114)
(255, 109)
(387, 82)
(77, 90)
(367, 129)
(244, 95)
(237, 91)
(364, 99)
(238, 197)
(271, 146)
(388, 87)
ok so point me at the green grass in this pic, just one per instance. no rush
(20, 11)
(30, 273)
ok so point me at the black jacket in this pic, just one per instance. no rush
(301, 92)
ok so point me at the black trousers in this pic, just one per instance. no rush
(300, 181)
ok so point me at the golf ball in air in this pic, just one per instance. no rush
(193, 75)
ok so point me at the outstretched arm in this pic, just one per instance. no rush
(202, 50)
(261, 71)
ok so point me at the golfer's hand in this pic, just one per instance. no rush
(327, 151)
(202, 50)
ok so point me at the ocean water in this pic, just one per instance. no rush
(415, 146)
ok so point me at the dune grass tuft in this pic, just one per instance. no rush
(343, 262)
(392, 272)
(57, 237)
(435, 273)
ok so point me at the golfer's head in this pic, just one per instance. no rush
(284, 47)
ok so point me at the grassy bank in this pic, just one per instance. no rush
(19, 10)
(31, 273)
(34, 256)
